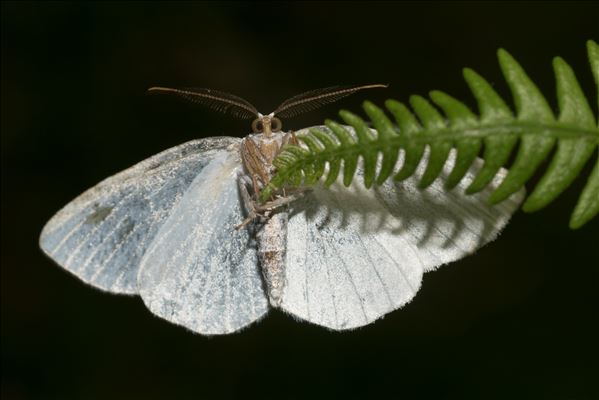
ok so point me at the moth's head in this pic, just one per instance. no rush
(267, 124)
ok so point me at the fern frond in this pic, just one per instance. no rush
(531, 132)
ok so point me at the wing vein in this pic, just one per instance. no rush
(100, 268)
(353, 283)
(92, 232)
(376, 271)
(306, 291)
(332, 289)
(399, 267)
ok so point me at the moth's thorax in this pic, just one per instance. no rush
(269, 145)
(258, 152)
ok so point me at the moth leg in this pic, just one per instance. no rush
(244, 223)
(282, 201)
(248, 203)
(293, 139)
(263, 210)
(255, 185)
(289, 138)
(252, 217)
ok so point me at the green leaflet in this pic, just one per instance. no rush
(532, 131)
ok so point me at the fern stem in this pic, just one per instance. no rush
(515, 128)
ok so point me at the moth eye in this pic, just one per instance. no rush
(276, 125)
(257, 126)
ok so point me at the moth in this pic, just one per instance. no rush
(185, 231)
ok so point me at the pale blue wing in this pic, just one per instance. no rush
(102, 234)
(200, 272)
(344, 269)
(354, 255)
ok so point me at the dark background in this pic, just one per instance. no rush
(516, 320)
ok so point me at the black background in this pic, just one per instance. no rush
(516, 320)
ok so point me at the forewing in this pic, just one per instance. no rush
(200, 272)
(354, 255)
(102, 234)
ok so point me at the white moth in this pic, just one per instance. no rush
(182, 229)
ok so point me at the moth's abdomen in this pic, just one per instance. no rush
(272, 244)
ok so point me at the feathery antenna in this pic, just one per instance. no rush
(219, 101)
(314, 99)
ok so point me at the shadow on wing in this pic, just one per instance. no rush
(431, 216)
